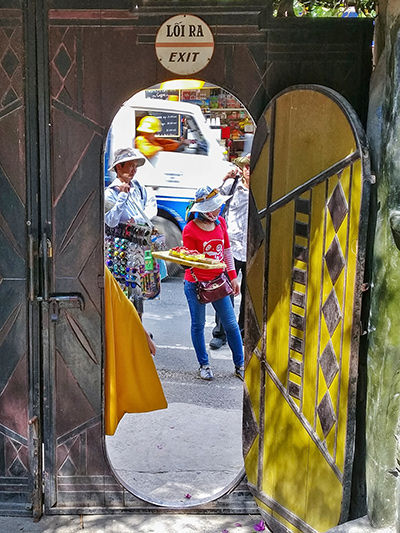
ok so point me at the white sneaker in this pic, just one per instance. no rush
(205, 372)
(239, 372)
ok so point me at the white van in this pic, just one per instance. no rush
(174, 176)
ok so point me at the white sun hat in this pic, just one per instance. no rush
(127, 154)
(207, 200)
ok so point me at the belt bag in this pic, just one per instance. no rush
(217, 288)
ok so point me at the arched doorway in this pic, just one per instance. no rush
(191, 452)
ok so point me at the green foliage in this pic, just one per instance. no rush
(329, 8)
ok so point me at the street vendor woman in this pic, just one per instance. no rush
(149, 144)
(206, 232)
(126, 199)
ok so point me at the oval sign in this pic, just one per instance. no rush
(184, 44)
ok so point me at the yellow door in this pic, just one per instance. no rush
(307, 227)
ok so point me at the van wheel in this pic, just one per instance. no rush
(173, 237)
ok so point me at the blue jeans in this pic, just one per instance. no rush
(218, 331)
(224, 308)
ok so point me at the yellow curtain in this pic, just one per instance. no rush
(132, 384)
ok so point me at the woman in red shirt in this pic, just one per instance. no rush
(206, 232)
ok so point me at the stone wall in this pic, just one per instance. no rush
(383, 403)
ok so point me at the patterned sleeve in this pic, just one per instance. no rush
(230, 264)
(228, 256)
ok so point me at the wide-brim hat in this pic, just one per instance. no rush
(127, 154)
(207, 200)
(242, 161)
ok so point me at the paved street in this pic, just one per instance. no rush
(193, 447)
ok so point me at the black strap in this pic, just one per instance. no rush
(230, 193)
(193, 274)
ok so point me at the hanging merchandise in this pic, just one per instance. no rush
(128, 255)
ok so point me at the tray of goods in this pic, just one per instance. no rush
(191, 258)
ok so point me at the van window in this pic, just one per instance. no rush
(179, 126)
(194, 134)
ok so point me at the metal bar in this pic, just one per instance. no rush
(263, 360)
(49, 410)
(74, 299)
(309, 184)
(45, 207)
(306, 424)
(31, 281)
(32, 214)
(286, 514)
(45, 267)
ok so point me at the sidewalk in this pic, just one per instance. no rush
(133, 523)
(158, 523)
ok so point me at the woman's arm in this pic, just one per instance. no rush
(113, 216)
(235, 287)
(229, 261)
(151, 344)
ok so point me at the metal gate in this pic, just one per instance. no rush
(60, 66)
(308, 226)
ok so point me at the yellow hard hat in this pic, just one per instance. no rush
(149, 124)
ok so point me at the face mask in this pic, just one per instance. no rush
(210, 217)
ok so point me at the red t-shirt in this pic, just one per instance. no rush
(210, 243)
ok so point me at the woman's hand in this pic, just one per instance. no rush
(232, 174)
(151, 344)
(124, 187)
(235, 286)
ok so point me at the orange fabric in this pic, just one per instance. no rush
(132, 384)
(151, 148)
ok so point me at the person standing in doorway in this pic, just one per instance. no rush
(236, 214)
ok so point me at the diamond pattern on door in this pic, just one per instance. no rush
(63, 63)
(300, 372)
(11, 62)
(335, 259)
(16, 458)
(329, 364)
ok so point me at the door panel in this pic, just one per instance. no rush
(19, 440)
(308, 218)
(88, 50)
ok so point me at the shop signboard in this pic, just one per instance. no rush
(184, 44)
